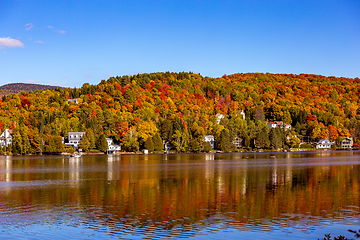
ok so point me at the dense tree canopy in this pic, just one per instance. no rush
(183, 107)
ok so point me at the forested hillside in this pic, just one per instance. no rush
(144, 109)
(26, 87)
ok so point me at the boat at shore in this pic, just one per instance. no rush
(75, 155)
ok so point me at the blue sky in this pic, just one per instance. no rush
(68, 43)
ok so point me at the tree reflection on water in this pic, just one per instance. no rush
(184, 194)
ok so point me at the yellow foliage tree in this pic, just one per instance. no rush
(146, 129)
(344, 133)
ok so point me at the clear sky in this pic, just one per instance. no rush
(68, 43)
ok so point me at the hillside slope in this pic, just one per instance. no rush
(184, 107)
(26, 87)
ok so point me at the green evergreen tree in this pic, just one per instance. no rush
(262, 140)
(194, 145)
(26, 143)
(337, 142)
(102, 144)
(207, 146)
(91, 137)
(59, 145)
(275, 138)
(54, 145)
(166, 130)
(50, 146)
(225, 144)
(149, 145)
(17, 143)
(158, 143)
(84, 144)
(246, 141)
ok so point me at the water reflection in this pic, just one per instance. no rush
(180, 195)
(74, 171)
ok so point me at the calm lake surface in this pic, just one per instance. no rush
(193, 196)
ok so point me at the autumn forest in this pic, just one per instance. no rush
(143, 110)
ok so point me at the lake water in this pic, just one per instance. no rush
(191, 196)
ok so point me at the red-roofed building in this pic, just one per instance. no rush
(280, 124)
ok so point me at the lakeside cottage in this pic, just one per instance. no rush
(324, 144)
(112, 147)
(237, 142)
(6, 138)
(74, 138)
(347, 143)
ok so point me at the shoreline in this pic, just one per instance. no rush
(174, 152)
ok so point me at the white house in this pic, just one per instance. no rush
(347, 143)
(210, 139)
(74, 138)
(280, 124)
(324, 144)
(112, 147)
(6, 138)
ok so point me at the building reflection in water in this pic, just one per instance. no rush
(110, 171)
(74, 171)
(243, 175)
(288, 174)
(8, 167)
(2, 169)
(279, 174)
(220, 178)
(209, 167)
(209, 156)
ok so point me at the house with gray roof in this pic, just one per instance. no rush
(324, 144)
